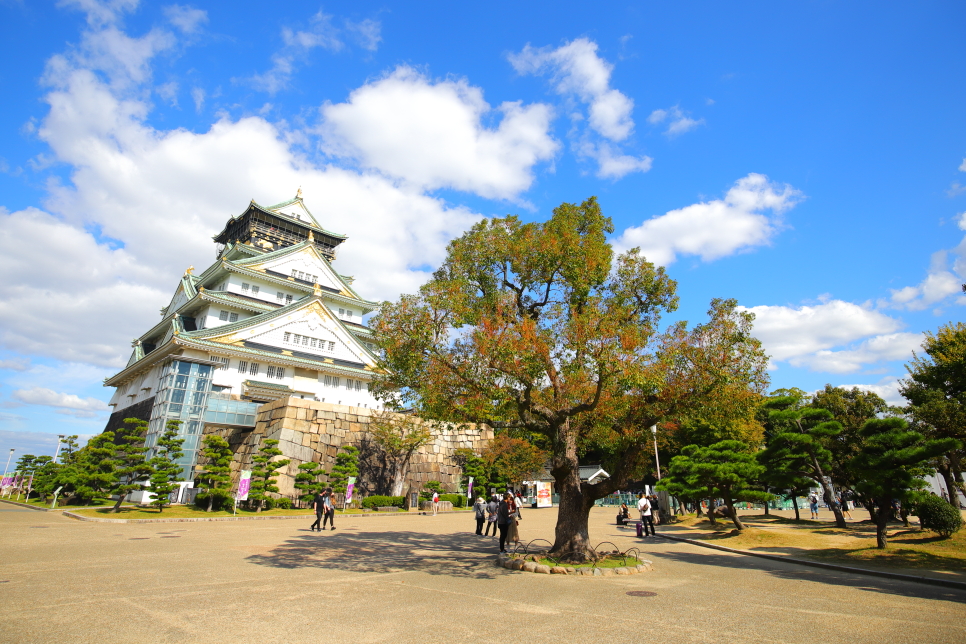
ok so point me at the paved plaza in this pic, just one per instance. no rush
(421, 579)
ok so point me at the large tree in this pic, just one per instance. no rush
(534, 327)
(165, 469)
(512, 460)
(936, 391)
(726, 470)
(889, 465)
(216, 475)
(130, 463)
(264, 471)
(398, 437)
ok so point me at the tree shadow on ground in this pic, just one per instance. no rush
(456, 555)
(831, 577)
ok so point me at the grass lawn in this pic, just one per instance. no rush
(182, 512)
(60, 504)
(821, 541)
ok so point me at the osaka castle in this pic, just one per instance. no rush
(269, 319)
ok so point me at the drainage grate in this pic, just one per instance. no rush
(641, 593)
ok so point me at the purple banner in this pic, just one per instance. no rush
(348, 489)
(7, 480)
(244, 483)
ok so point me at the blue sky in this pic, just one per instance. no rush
(808, 159)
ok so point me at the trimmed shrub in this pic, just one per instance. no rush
(284, 503)
(269, 503)
(458, 500)
(378, 501)
(939, 516)
(223, 500)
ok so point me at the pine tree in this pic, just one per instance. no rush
(131, 466)
(307, 480)
(264, 471)
(346, 465)
(217, 473)
(166, 470)
(890, 463)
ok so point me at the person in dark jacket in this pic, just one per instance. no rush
(491, 509)
(503, 516)
(480, 508)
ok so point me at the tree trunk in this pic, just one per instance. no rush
(398, 480)
(882, 524)
(698, 508)
(947, 474)
(211, 501)
(734, 513)
(117, 506)
(571, 535)
(827, 494)
(766, 502)
(711, 507)
(798, 517)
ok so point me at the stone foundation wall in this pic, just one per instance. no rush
(314, 431)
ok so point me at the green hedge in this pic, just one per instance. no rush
(378, 501)
(222, 501)
(458, 500)
(939, 516)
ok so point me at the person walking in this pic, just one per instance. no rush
(503, 517)
(644, 507)
(435, 502)
(480, 508)
(844, 504)
(813, 505)
(318, 504)
(513, 535)
(329, 509)
(655, 509)
(491, 509)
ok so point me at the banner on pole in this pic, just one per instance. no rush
(7, 480)
(244, 483)
(350, 485)
(469, 489)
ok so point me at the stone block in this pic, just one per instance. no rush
(558, 570)
(540, 568)
(621, 571)
(529, 566)
(516, 564)
(606, 572)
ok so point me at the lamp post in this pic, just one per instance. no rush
(60, 437)
(657, 460)
(7, 467)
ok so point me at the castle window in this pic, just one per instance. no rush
(314, 343)
(332, 346)
(245, 287)
(298, 338)
(233, 317)
(270, 371)
(288, 336)
(279, 373)
(301, 275)
(223, 361)
(253, 369)
(280, 296)
(242, 366)
(288, 299)
(223, 316)
(341, 311)
(255, 289)
(348, 314)
(294, 273)
(305, 340)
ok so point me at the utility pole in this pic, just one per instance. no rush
(60, 437)
(7, 468)
(657, 460)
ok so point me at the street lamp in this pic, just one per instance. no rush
(657, 461)
(7, 468)
(60, 437)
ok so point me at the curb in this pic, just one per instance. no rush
(79, 517)
(523, 565)
(947, 583)
(34, 507)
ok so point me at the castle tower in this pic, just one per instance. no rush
(270, 319)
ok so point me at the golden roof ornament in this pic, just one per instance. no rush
(189, 270)
(298, 195)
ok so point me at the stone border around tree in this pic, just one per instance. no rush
(522, 565)
(80, 517)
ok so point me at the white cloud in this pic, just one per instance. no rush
(187, 19)
(789, 333)
(368, 33)
(888, 347)
(169, 92)
(962, 166)
(15, 364)
(946, 274)
(677, 121)
(198, 96)
(320, 34)
(714, 229)
(51, 398)
(578, 73)
(887, 389)
(101, 12)
(160, 195)
(432, 135)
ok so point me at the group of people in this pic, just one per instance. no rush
(324, 506)
(502, 515)
(843, 500)
(649, 508)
